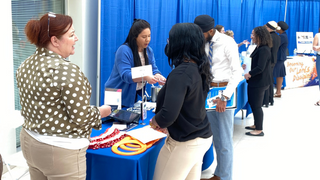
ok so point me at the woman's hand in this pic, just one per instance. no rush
(154, 125)
(247, 76)
(105, 110)
(316, 48)
(244, 66)
(151, 79)
(160, 78)
(245, 42)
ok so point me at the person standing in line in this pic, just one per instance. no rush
(55, 102)
(220, 28)
(316, 48)
(223, 54)
(259, 77)
(272, 26)
(231, 34)
(279, 70)
(181, 106)
(134, 52)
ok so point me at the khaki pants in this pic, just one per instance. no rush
(181, 160)
(1, 166)
(48, 162)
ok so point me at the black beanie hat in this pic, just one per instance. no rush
(284, 26)
(205, 22)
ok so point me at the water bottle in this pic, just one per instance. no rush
(295, 52)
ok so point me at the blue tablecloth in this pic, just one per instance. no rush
(104, 164)
(242, 98)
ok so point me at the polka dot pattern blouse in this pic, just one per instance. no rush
(55, 97)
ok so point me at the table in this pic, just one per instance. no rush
(104, 164)
(242, 98)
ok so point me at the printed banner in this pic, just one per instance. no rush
(301, 72)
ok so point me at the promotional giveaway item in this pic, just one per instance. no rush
(132, 145)
(126, 143)
(216, 93)
(143, 108)
(106, 139)
(154, 92)
(137, 141)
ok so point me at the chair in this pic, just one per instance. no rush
(17, 160)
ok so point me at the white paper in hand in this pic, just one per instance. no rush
(141, 71)
(112, 97)
(146, 134)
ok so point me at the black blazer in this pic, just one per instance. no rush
(274, 50)
(260, 67)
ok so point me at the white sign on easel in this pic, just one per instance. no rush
(141, 71)
(304, 42)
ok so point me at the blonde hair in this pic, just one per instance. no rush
(229, 33)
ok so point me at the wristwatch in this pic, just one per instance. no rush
(222, 98)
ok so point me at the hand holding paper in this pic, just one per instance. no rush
(146, 134)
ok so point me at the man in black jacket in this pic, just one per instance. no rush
(272, 26)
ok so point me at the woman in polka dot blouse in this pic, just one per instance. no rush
(134, 52)
(54, 97)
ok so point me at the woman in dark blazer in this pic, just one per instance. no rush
(259, 78)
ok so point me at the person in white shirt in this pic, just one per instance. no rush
(316, 47)
(223, 54)
(220, 28)
(231, 34)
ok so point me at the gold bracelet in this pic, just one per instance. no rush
(152, 125)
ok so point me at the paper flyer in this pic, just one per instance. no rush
(112, 97)
(216, 93)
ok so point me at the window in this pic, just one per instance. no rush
(22, 12)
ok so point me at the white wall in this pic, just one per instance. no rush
(7, 120)
(85, 21)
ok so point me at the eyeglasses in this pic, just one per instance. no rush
(53, 15)
(168, 41)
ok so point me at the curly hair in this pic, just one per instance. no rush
(186, 41)
(263, 37)
(229, 33)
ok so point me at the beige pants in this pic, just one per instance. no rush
(48, 162)
(1, 166)
(181, 160)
